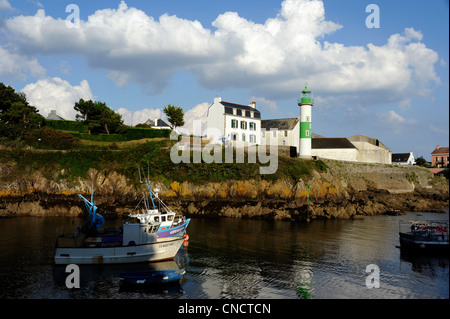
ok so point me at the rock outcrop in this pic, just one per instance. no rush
(345, 190)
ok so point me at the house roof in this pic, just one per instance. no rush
(331, 142)
(53, 116)
(440, 150)
(280, 124)
(241, 107)
(400, 157)
(371, 140)
(159, 123)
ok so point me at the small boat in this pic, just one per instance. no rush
(131, 243)
(152, 277)
(424, 236)
(160, 219)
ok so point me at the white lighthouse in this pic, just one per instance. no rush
(305, 102)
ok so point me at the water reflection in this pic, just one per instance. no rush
(234, 258)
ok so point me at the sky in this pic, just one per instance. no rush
(382, 72)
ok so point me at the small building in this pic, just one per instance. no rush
(158, 124)
(371, 150)
(53, 116)
(403, 158)
(287, 131)
(336, 148)
(229, 123)
(440, 157)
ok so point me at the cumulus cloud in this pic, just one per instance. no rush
(16, 66)
(4, 4)
(197, 113)
(57, 94)
(133, 118)
(265, 104)
(273, 59)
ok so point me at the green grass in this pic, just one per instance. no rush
(151, 157)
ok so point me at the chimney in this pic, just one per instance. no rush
(253, 105)
(217, 99)
(438, 146)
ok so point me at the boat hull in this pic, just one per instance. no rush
(157, 251)
(177, 231)
(152, 277)
(417, 244)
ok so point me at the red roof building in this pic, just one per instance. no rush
(440, 157)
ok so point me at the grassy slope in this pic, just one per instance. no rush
(150, 155)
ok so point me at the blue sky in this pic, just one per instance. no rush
(391, 83)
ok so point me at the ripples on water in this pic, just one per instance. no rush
(234, 258)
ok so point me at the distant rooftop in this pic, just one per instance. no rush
(54, 116)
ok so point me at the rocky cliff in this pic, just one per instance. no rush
(343, 190)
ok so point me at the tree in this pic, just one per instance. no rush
(17, 116)
(98, 117)
(175, 115)
(420, 161)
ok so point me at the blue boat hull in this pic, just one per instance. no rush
(174, 231)
(152, 277)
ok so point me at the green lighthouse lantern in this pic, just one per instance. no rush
(306, 97)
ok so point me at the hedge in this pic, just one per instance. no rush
(80, 130)
(65, 125)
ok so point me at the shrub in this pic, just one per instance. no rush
(50, 139)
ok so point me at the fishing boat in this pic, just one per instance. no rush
(158, 217)
(424, 236)
(152, 277)
(130, 243)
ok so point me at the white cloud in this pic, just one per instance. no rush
(265, 104)
(57, 94)
(133, 118)
(197, 113)
(16, 66)
(4, 4)
(273, 59)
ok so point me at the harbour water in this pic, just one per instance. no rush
(235, 258)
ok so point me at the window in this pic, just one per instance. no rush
(243, 137)
(234, 123)
(307, 132)
(252, 126)
(285, 133)
(275, 133)
(252, 138)
(243, 125)
(308, 119)
(263, 133)
(163, 218)
(233, 136)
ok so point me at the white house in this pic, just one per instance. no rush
(230, 123)
(287, 131)
(403, 159)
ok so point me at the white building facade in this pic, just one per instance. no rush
(287, 131)
(231, 123)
